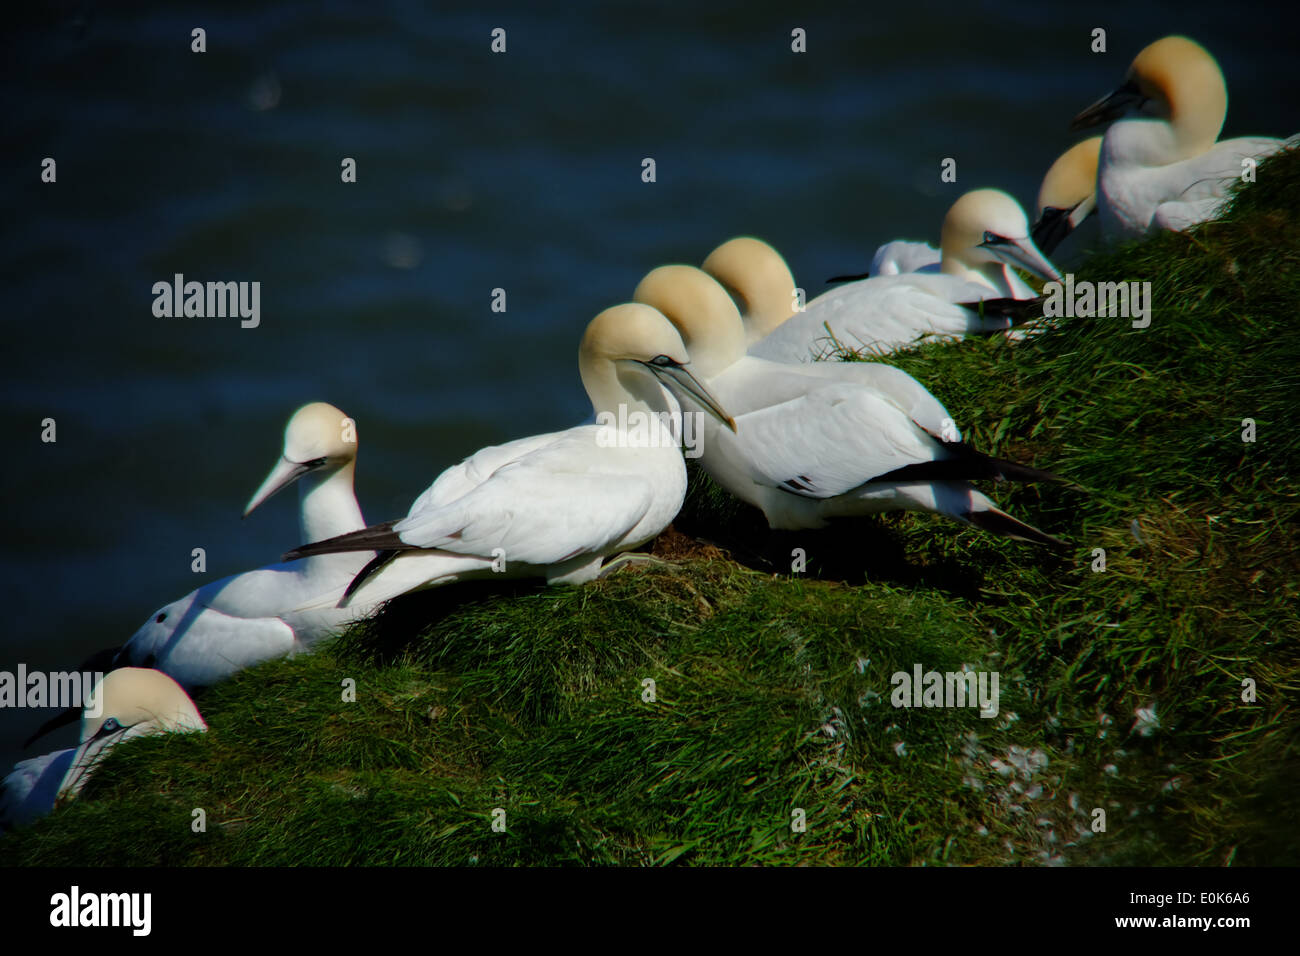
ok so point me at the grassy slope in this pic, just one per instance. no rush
(773, 689)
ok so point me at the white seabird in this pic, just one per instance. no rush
(236, 622)
(128, 702)
(768, 294)
(554, 505)
(962, 250)
(768, 288)
(809, 447)
(1068, 195)
(1162, 164)
(984, 231)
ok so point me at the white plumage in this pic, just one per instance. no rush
(227, 625)
(828, 439)
(1162, 165)
(555, 505)
(128, 702)
(983, 232)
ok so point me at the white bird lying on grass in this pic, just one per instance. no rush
(555, 505)
(236, 622)
(811, 443)
(962, 250)
(1162, 164)
(128, 702)
(769, 285)
(972, 290)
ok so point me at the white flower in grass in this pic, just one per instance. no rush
(1146, 722)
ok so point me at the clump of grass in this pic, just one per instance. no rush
(1122, 689)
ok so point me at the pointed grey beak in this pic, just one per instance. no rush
(284, 474)
(676, 377)
(87, 756)
(1110, 107)
(1024, 253)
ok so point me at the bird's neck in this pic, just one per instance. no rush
(627, 395)
(1198, 109)
(328, 505)
(993, 275)
(770, 304)
(1148, 141)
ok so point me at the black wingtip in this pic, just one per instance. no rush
(833, 279)
(100, 662)
(109, 659)
(966, 464)
(69, 716)
(379, 537)
(372, 566)
(1015, 311)
(1014, 471)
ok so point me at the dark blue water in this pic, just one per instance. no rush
(475, 171)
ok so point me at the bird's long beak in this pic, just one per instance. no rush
(1024, 253)
(1110, 107)
(87, 756)
(1052, 228)
(1056, 223)
(1082, 210)
(284, 474)
(681, 378)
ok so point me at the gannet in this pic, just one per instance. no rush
(961, 246)
(904, 255)
(554, 505)
(1161, 165)
(982, 232)
(809, 447)
(767, 295)
(128, 702)
(1068, 195)
(233, 623)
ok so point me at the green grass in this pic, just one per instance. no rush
(773, 689)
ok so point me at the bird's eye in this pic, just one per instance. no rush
(993, 239)
(110, 726)
(663, 361)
